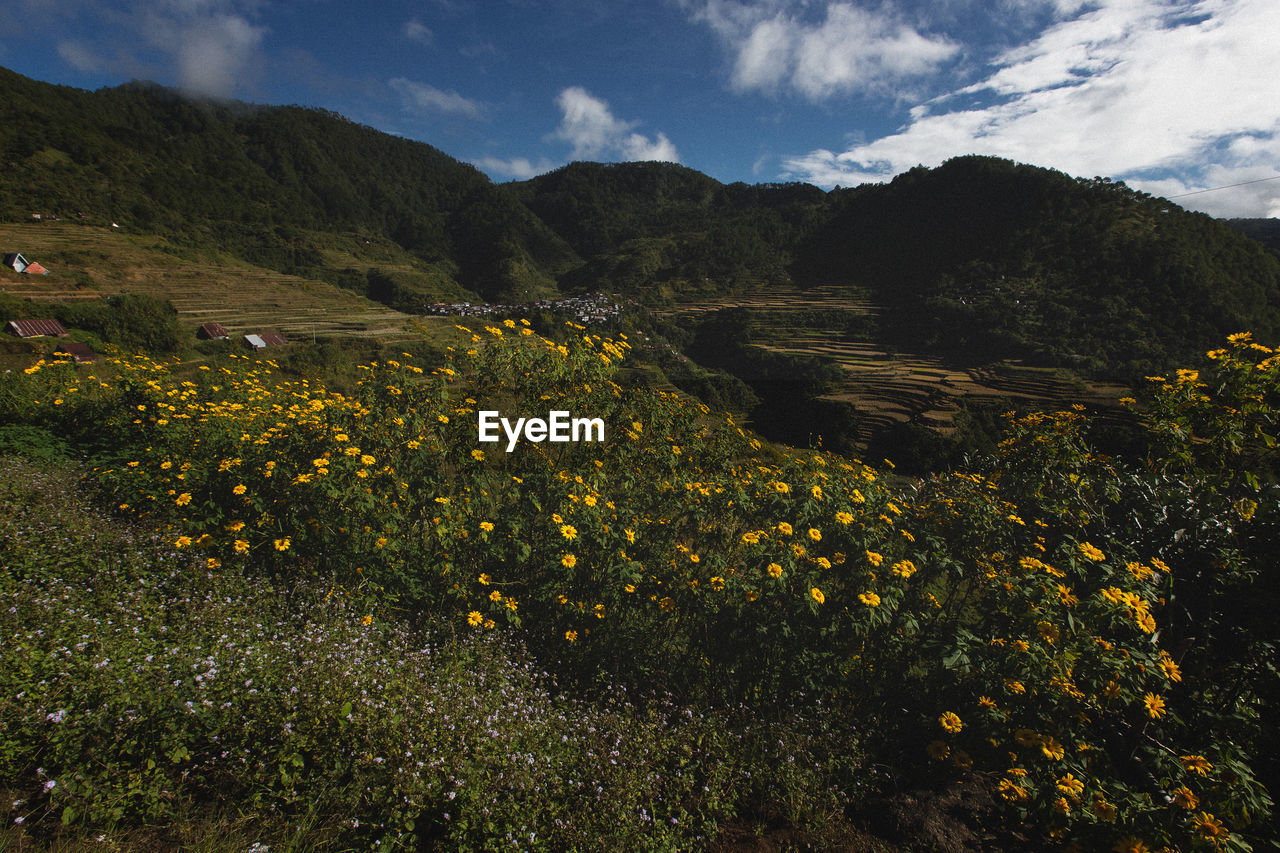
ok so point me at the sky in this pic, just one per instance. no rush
(1178, 98)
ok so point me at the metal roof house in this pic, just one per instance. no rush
(212, 332)
(37, 328)
(267, 339)
(17, 263)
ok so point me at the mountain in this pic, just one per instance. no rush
(646, 226)
(254, 179)
(980, 258)
(986, 258)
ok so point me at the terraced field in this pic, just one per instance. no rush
(87, 262)
(897, 387)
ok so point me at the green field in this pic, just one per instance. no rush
(88, 262)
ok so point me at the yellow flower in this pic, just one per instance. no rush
(484, 579)
(1197, 763)
(477, 454)
(870, 599)
(367, 620)
(239, 489)
(874, 558)
(1210, 827)
(938, 750)
(775, 571)
(1090, 552)
(568, 531)
(1131, 845)
(568, 561)
(950, 722)
(1052, 749)
(784, 528)
(241, 546)
(475, 618)
(486, 526)
(815, 534)
(844, 517)
(1071, 786)
(816, 595)
(366, 459)
(904, 569)
(183, 541)
(1011, 792)
(986, 702)
(183, 499)
(282, 544)
(571, 636)
(495, 596)
(1185, 798)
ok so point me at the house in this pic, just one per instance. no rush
(266, 339)
(37, 328)
(212, 332)
(17, 263)
(255, 342)
(80, 353)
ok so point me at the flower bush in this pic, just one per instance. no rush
(1086, 636)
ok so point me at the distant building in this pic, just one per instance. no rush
(268, 339)
(17, 263)
(80, 353)
(212, 332)
(37, 328)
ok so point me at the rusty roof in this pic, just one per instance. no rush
(36, 328)
(81, 353)
(213, 330)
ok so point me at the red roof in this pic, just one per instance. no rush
(212, 331)
(34, 268)
(36, 328)
(273, 340)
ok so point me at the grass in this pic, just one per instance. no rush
(88, 262)
(164, 706)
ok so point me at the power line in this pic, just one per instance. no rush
(1227, 187)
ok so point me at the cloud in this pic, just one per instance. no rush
(590, 127)
(80, 56)
(422, 97)
(214, 46)
(850, 50)
(213, 52)
(416, 31)
(1177, 95)
(519, 168)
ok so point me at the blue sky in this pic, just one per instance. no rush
(1172, 96)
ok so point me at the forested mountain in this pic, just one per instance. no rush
(988, 258)
(249, 178)
(646, 224)
(980, 257)
(1265, 231)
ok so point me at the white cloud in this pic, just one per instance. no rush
(422, 97)
(589, 126)
(213, 52)
(213, 43)
(1127, 88)
(519, 168)
(80, 56)
(417, 31)
(851, 49)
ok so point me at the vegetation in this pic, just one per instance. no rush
(1083, 638)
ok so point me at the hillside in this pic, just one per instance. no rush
(990, 259)
(254, 179)
(976, 265)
